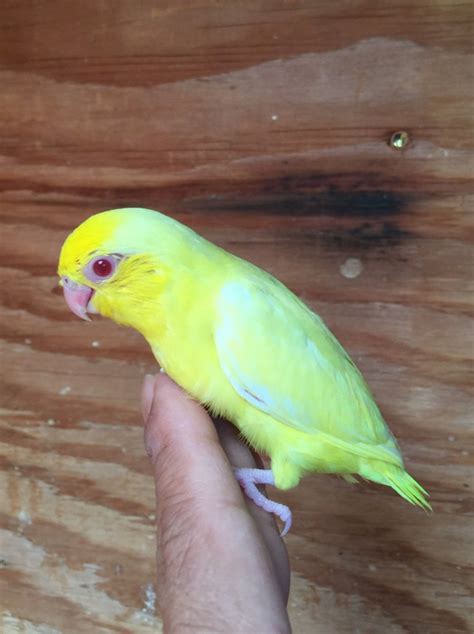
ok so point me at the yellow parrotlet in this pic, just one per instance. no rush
(240, 342)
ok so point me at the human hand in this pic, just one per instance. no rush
(222, 566)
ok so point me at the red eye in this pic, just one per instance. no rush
(102, 267)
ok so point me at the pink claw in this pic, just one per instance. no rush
(248, 479)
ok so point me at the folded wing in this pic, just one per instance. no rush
(280, 357)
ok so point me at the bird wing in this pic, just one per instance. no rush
(280, 357)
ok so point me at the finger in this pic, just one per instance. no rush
(200, 508)
(240, 455)
(188, 460)
(208, 543)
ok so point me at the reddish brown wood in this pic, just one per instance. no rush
(264, 126)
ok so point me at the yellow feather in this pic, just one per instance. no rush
(239, 341)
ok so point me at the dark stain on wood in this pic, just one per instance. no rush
(283, 199)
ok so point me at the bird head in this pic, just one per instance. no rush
(116, 263)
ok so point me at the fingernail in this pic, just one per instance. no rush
(147, 395)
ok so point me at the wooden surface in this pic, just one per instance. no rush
(264, 126)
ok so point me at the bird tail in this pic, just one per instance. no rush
(409, 488)
(400, 481)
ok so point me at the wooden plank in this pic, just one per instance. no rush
(265, 127)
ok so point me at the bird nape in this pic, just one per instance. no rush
(241, 343)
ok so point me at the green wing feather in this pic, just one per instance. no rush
(280, 357)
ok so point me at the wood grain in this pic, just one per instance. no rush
(264, 126)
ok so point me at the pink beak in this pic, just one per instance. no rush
(77, 297)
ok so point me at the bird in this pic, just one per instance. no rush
(237, 340)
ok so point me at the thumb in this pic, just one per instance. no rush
(211, 557)
(183, 445)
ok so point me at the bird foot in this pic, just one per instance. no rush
(248, 479)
